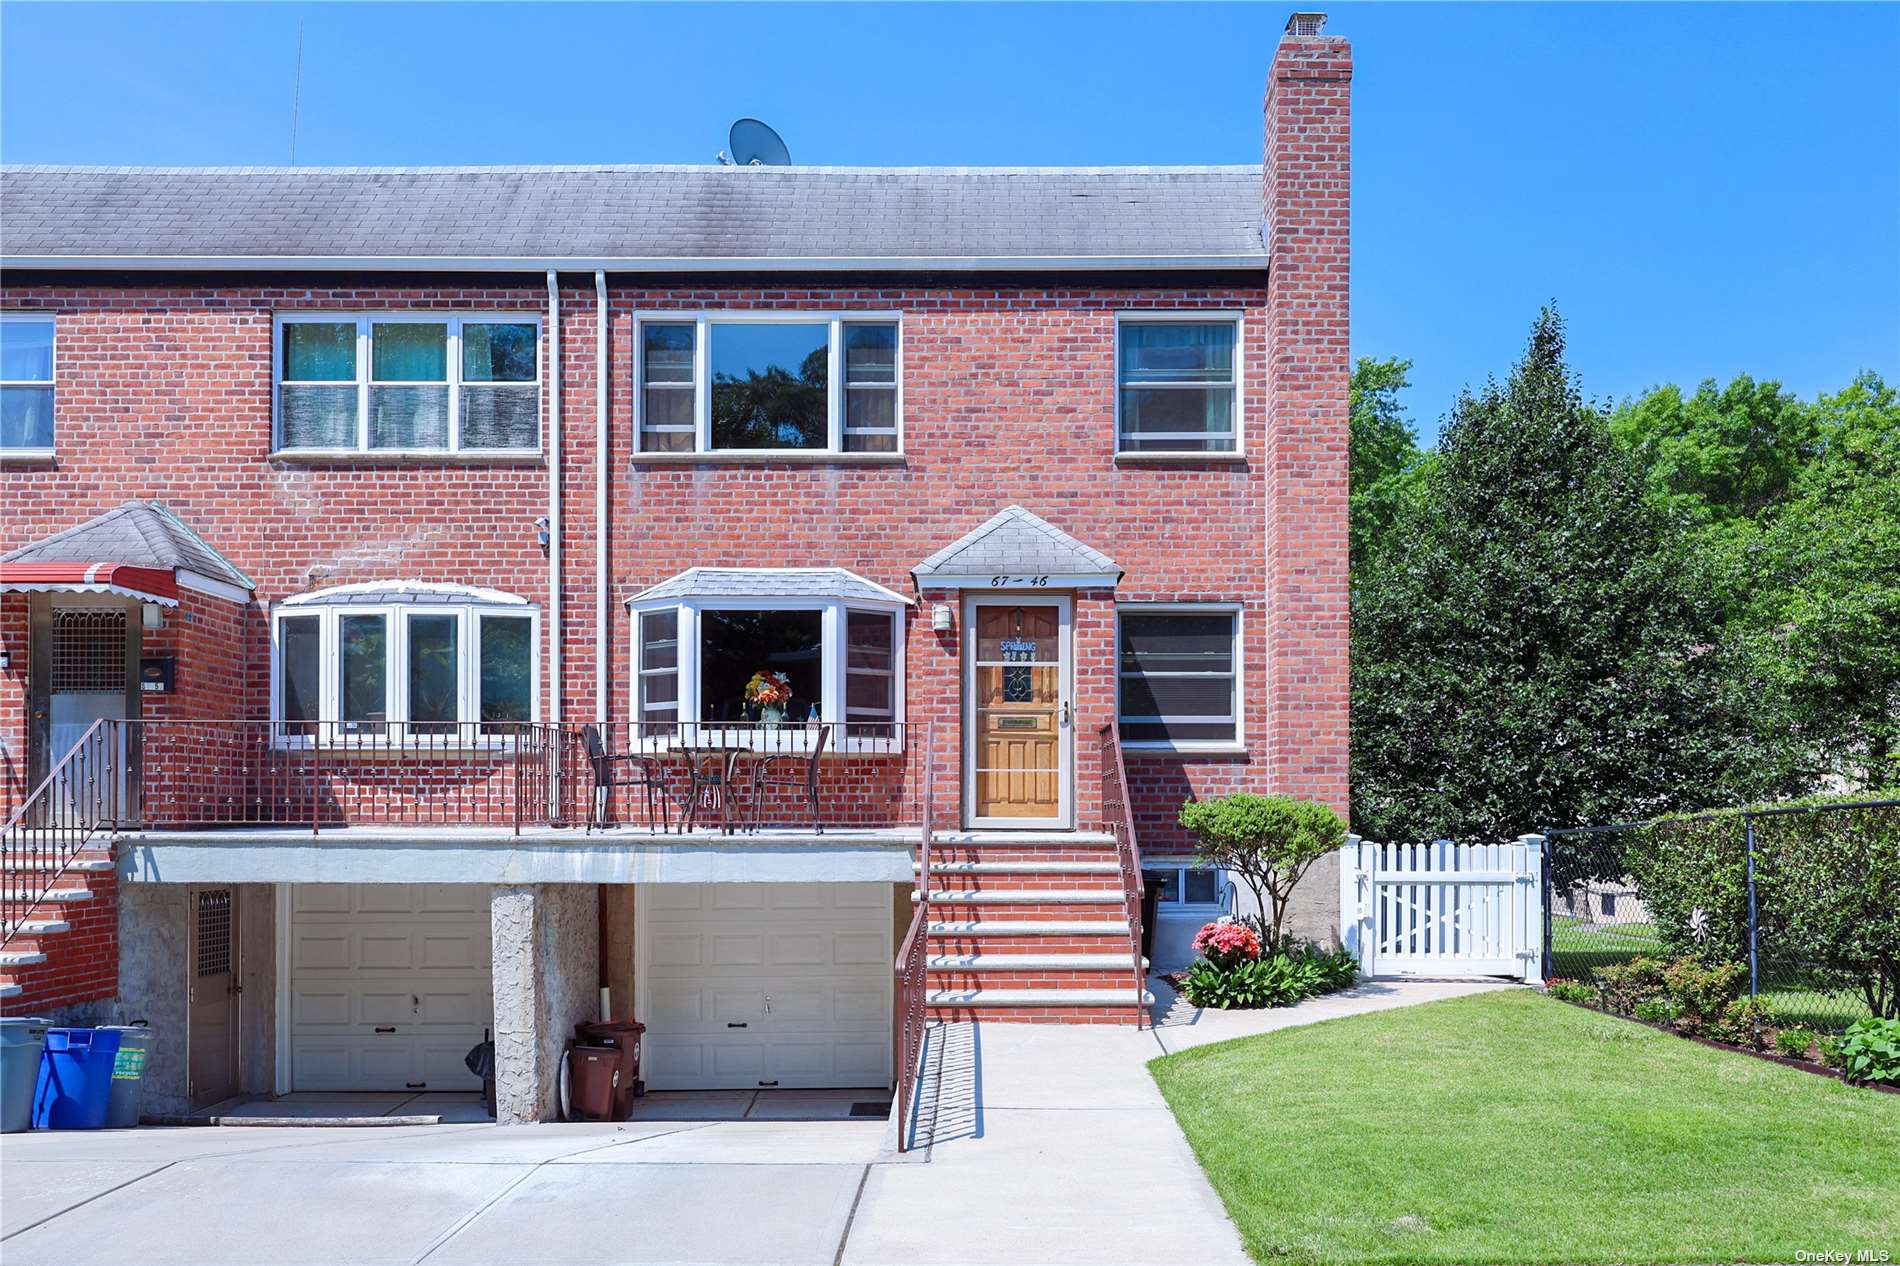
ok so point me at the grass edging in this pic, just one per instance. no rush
(1805, 1065)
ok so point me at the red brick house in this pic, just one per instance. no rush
(853, 509)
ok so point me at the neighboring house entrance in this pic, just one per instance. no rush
(390, 985)
(88, 678)
(750, 985)
(1017, 712)
(213, 997)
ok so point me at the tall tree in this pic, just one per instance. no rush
(1535, 646)
(1384, 453)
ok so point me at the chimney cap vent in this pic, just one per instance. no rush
(1306, 24)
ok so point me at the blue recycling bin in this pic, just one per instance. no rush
(75, 1083)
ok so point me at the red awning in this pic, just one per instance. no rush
(147, 584)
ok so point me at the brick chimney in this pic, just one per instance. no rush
(1307, 177)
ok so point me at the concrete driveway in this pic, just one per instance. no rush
(1040, 1144)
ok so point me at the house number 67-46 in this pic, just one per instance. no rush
(1032, 582)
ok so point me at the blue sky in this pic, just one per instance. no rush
(1704, 189)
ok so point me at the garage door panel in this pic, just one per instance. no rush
(410, 959)
(823, 960)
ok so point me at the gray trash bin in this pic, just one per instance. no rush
(22, 1038)
(128, 1075)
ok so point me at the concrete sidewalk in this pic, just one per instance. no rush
(1044, 1144)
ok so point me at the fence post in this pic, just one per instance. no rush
(1353, 912)
(1754, 961)
(1534, 929)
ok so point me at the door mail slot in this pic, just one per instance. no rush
(385, 1028)
(735, 1025)
(1018, 723)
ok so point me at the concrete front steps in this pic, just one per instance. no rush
(30, 947)
(1029, 928)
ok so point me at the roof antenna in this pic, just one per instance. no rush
(296, 94)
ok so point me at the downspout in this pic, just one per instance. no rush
(601, 447)
(555, 681)
(601, 894)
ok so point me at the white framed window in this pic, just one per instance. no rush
(428, 666)
(1186, 888)
(1177, 383)
(1178, 675)
(26, 383)
(767, 384)
(840, 659)
(408, 382)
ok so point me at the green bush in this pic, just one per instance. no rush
(1794, 1042)
(1620, 986)
(1831, 1051)
(1870, 1050)
(1655, 1011)
(1739, 1024)
(1294, 974)
(1572, 991)
(1702, 992)
(1268, 842)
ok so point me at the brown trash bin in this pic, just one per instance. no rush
(623, 1036)
(592, 1074)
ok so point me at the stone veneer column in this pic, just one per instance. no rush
(546, 944)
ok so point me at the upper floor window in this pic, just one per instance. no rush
(1178, 384)
(754, 383)
(26, 383)
(409, 382)
(1179, 676)
(441, 663)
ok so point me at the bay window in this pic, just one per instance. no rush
(768, 383)
(1177, 384)
(830, 643)
(440, 663)
(1178, 675)
(409, 383)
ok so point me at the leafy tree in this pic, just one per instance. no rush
(1384, 454)
(1268, 841)
(1537, 645)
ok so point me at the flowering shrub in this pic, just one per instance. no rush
(1227, 945)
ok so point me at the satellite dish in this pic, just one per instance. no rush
(756, 145)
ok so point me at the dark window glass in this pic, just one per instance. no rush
(365, 673)
(320, 351)
(496, 352)
(659, 667)
(1177, 677)
(1170, 882)
(733, 645)
(507, 670)
(432, 674)
(769, 385)
(300, 669)
(1199, 887)
(1177, 386)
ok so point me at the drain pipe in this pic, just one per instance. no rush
(554, 498)
(601, 447)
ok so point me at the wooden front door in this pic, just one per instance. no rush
(211, 1027)
(1016, 686)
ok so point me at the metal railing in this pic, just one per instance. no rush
(82, 795)
(911, 967)
(1119, 821)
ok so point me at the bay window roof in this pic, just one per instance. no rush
(766, 583)
(385, 593)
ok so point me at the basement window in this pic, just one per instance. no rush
(426, 666)
(769, 385)
(414, 382)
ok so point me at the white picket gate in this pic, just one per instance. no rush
(1444, 909)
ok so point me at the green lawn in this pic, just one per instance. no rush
(1508, 1127)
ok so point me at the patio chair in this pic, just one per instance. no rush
(770, 769)
(623, 769)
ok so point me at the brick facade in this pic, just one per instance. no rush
(164, 392)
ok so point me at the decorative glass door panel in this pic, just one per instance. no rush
(1018, 713)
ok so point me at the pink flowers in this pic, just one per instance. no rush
(1227, 945)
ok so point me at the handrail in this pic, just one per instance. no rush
(46, 832)
(910, 968)
(1119, 821)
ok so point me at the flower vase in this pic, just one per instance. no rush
(770, 716)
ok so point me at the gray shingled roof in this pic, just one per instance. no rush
(139, 534)
(1017, 543)
(645, 214)
(768, 582)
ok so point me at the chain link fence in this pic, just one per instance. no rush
(1806, 896)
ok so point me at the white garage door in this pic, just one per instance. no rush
(749, 985)
(390, 985)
